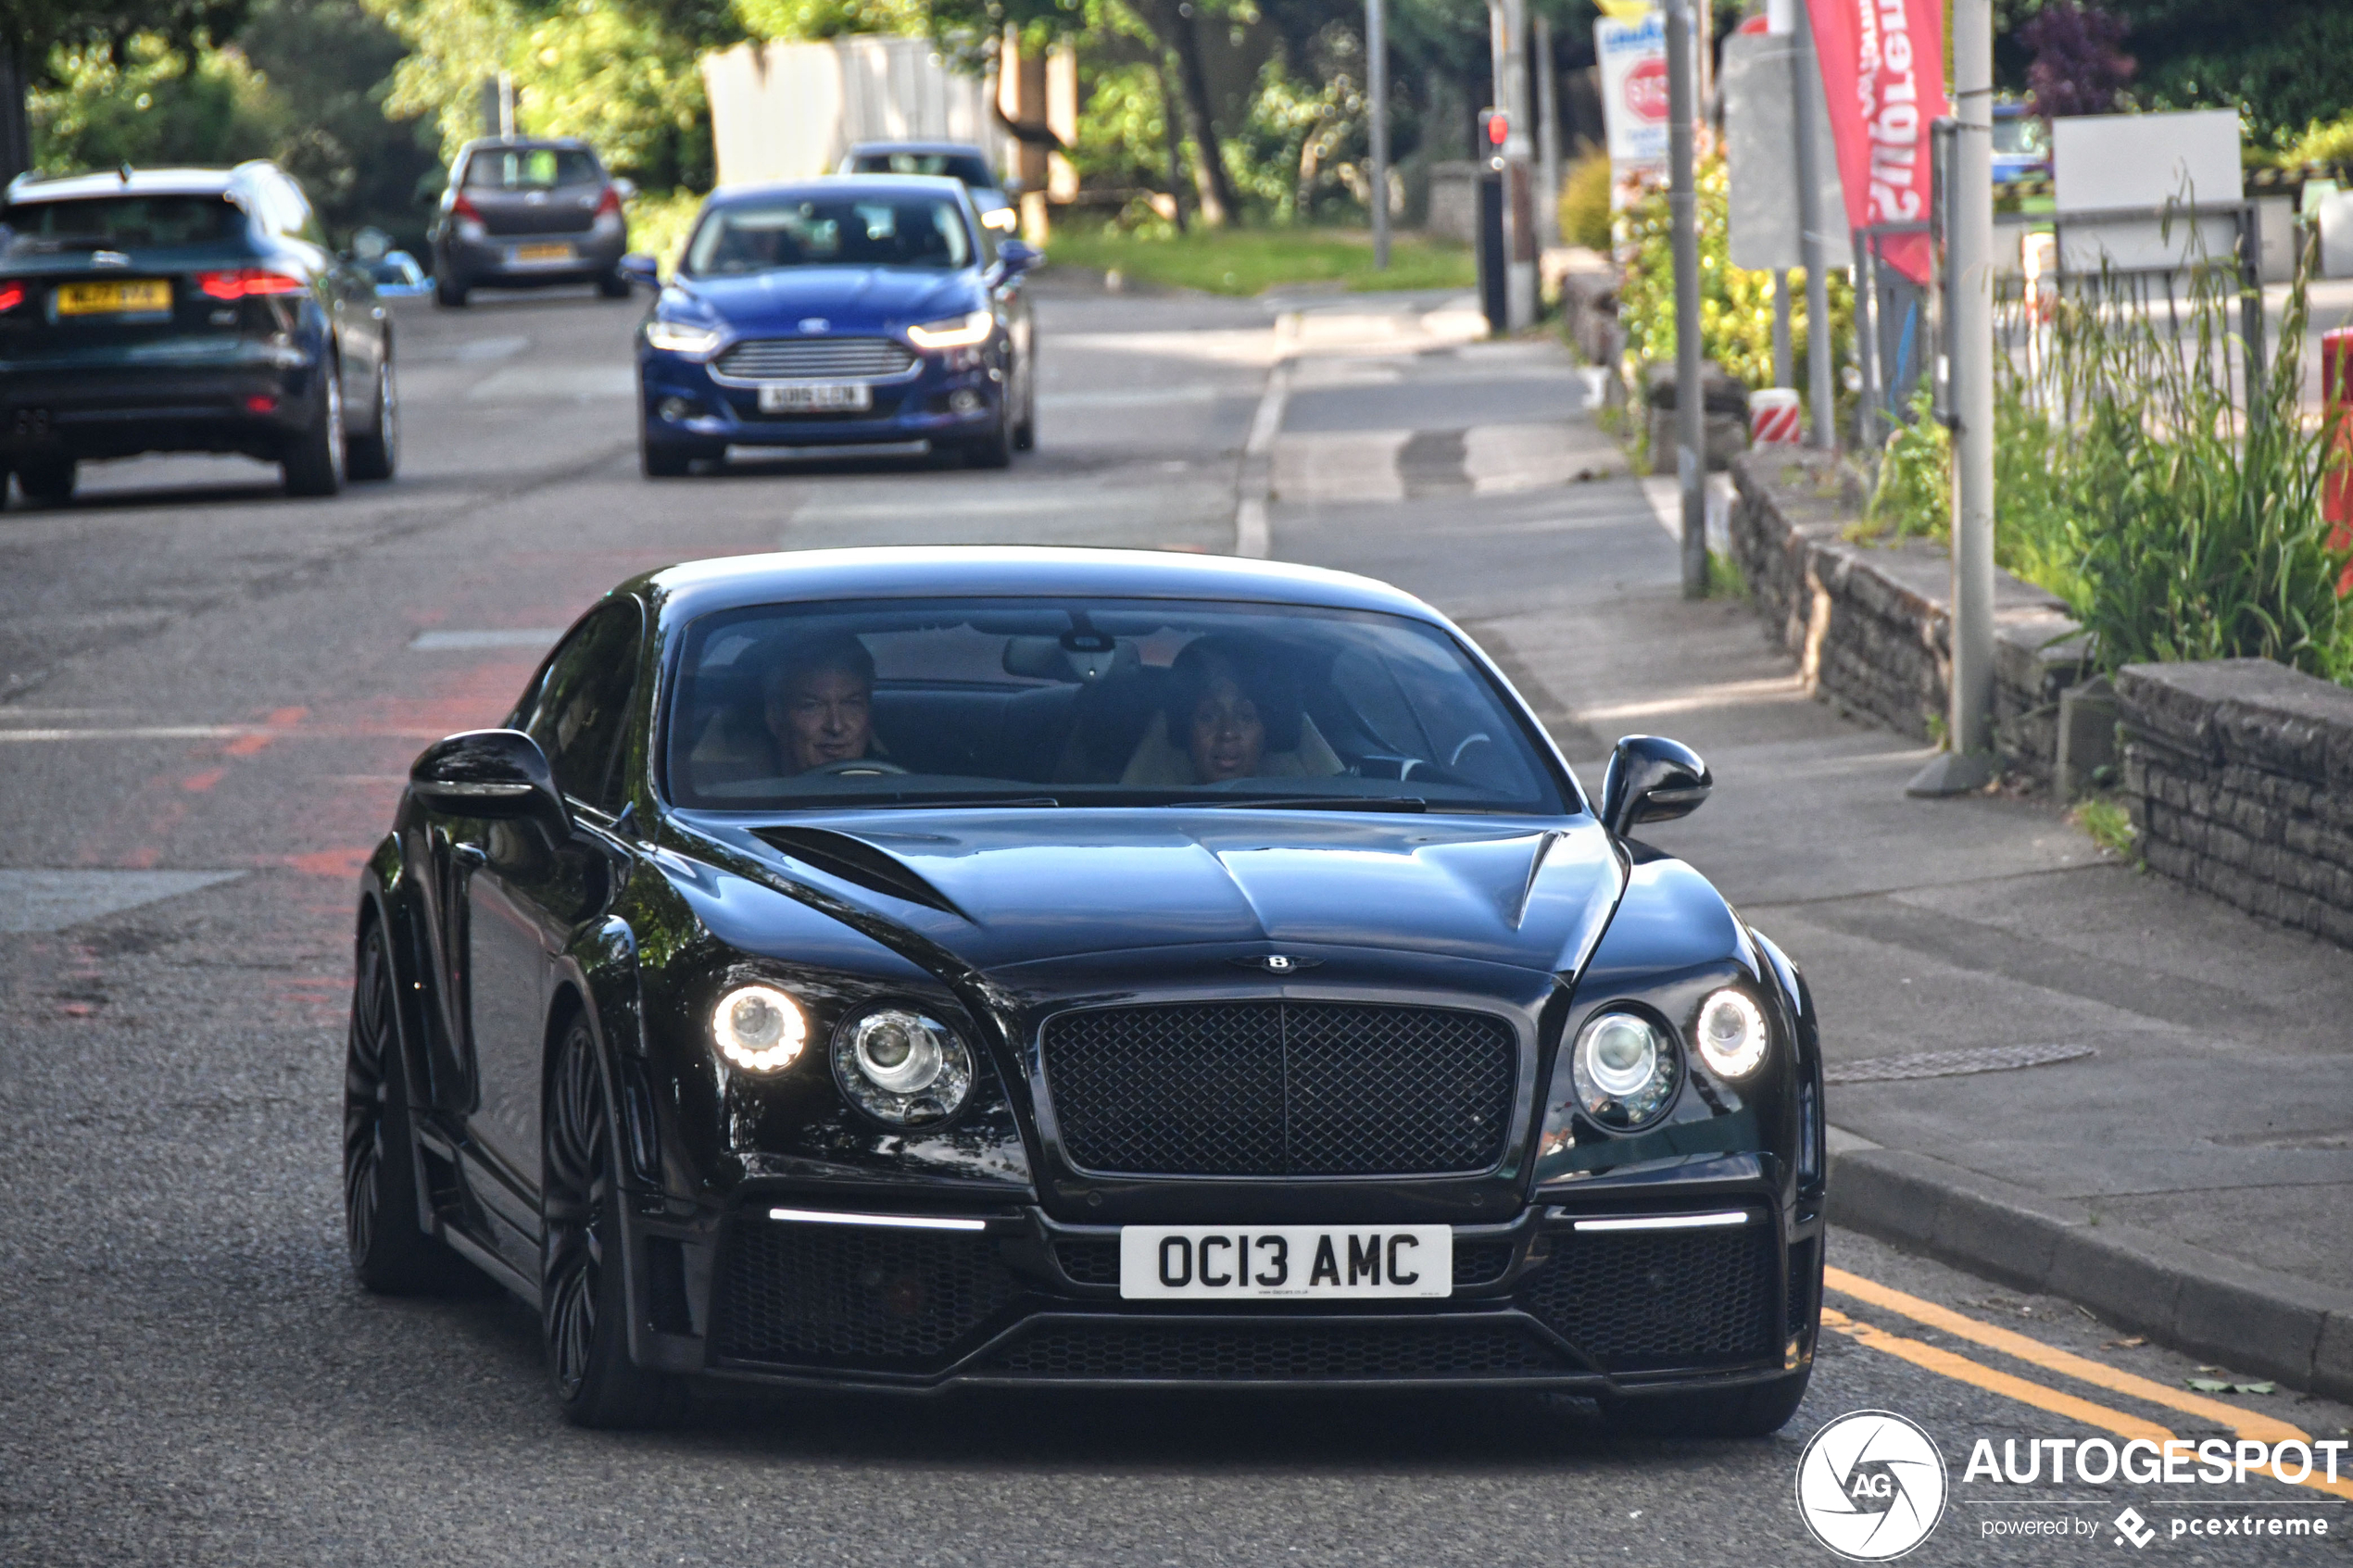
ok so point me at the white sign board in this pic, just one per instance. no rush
(1759, 90)
(2115, 162)
(787, 111)
(1633, 73)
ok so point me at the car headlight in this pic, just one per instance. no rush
(1003, 218)
(759, 1028)
(1624, 1070)
(1732, 1033)
(903, 1067)
(681, 337)
(956, 331)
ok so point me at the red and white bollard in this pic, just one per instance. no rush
(1775, 417)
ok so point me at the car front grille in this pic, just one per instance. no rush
(846, 1295)
(812, 358)
(1166, 1351)
(1641, 1300)
(1281, 1088)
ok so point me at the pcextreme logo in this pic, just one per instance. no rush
(1870, 1485)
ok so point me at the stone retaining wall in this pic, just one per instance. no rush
(2239, 776)
(1869, 624)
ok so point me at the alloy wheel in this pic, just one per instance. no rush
(577, 1201)
(364, 1090)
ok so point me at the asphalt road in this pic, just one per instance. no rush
(208, 696)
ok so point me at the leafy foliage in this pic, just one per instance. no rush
(2078, 66)
(159, 103)
(1584, 203)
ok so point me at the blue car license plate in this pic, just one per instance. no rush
(815, 398)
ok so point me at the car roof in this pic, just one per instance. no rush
(838, 185)
(858, 149)
(140, 181)
(696, 588)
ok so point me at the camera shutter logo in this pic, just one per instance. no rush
(1870, 1485)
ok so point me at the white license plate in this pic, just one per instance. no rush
(815, 398)
(1284, 1262)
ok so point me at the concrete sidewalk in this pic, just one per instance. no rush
(2045, 1065)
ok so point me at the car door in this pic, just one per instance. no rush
(528, 893)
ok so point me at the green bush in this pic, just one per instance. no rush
(1584, 203)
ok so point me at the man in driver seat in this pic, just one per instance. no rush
(821, 704)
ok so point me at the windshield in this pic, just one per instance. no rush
(122, 223)
(955, 165)
(531, 168)
(748, 236)
(1108, 702)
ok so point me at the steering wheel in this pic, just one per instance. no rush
(1481, 738)
(853, 768)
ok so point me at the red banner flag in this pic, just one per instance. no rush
(1883, 79)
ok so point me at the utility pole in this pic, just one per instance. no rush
(1812, 222)
(1548, 135)
(1509, 20)
(1968, 250)
(1780, 23)
(1376, 96)
(1682, 208)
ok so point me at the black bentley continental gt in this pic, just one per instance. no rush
(904, 968)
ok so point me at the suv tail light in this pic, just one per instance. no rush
(609, 205)
(244, 282)
(11, 295)
(460, 208)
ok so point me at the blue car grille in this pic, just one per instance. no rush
(815, 357)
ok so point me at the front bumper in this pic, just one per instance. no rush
(915, 407)
(1028, 1301)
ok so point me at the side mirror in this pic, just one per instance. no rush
(640, 268)
(494, 773)
(1652, 778)
(1019, 256)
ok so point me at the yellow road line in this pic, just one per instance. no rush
(1962, 1369)
(2247, 1423)
(1976, 1373)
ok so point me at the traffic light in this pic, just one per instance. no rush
(1494, 130)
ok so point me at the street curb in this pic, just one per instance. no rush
(2250, 1319)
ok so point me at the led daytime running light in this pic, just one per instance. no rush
(957, 332)
(759, 1029)
(1732, 1033)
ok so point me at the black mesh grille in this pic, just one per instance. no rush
(849, 1295)
(1178, 1352)
(1281, 1088)
(1481, 1262)
(769, 358)
(1639, 1299)
(1090, 1262)
(1801, 1286)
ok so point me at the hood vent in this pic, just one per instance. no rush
(857, 861)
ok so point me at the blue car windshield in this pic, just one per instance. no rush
(1105, 702)
(850, 231)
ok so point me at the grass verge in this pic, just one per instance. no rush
(2109, 823)
(1250, 261)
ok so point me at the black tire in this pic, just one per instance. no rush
(614, 286)
(662, 459)
(449, 296)
(376, 452)
(315, 457)
(48, 481)
(585, 1314)
(1026, 432)
(1759, 1410)
(391, 1251)
(994, 450)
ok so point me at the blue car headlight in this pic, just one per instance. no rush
(681, 337)
(955, 332)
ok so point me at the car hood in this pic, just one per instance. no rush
(847, 299)
(999, 889)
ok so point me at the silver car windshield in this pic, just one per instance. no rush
(749, 236)
(1110, 702)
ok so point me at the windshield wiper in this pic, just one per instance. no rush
(904, 801)
(1313, 802)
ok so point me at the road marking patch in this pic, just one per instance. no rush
(41, 901)
(503, 638)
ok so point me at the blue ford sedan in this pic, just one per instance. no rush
(836, 312)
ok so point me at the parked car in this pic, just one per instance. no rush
(187, 309)
(894, 968)
(397, 276)
(525, 212)
(2021, 145)
(957, 160)
(849, 310)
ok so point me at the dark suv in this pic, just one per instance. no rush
(521, 213)
(186, 311)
